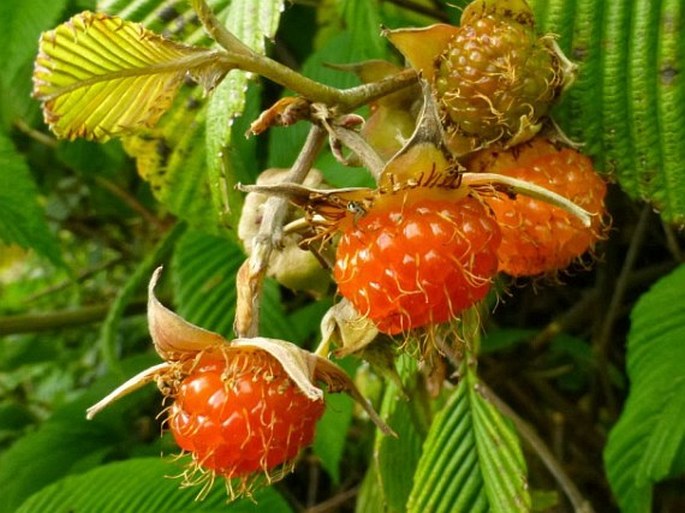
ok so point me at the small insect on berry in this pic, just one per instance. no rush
(537, 237)
(239, 414)
(414, 260)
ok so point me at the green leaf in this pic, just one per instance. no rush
(14, 418)
(141, 484)
(136, 282)
(20, 25)
(646, 445)
(22, 221)
(370, 497)
(331, 433)
(363, 20)
(628, 102)
(274, 322)
(100, 76)
(471, 460)
(171, 157)
(58, 447)
(396, 458)
(251, 21)
(204, 270)
(67, 442)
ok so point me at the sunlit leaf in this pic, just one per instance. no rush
(647, 443)
(171, 158)
(100, 76)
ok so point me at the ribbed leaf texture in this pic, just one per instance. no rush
(471, 461)
(67, 443)
(100, 76)
(138, 485)
(628, 102)
(396, 458)
(22, 221)
(205, 269)
(647, 444)
(20, 26)
(190, 157)
(251, 21)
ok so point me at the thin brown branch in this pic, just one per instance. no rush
(355, 142)
(604, 338)
(36, 135)
(334, 503)
(238, 55)
(130, 201)
(251, 276)
(83, 275)
(672, 242)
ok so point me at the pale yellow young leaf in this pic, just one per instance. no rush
(99, 76)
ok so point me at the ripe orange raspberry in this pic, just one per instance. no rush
(537, 237)
(413, 260)
(241, 414)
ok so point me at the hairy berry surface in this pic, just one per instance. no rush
(407, 264)
(242, 414)
(493, 73)
(536, 236)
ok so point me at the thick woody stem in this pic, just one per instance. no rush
(251, 275)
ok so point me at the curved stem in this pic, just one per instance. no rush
(355, 142)
(239, 55)
(528, 189)
(61, 319)
(138, 381)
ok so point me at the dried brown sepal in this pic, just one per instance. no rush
(327, 209)
(346, 328)
(305, 368)
(300, 365)
(175, 339)
(248, 286)
(375, 70)
(285, 112)
(141, 379)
